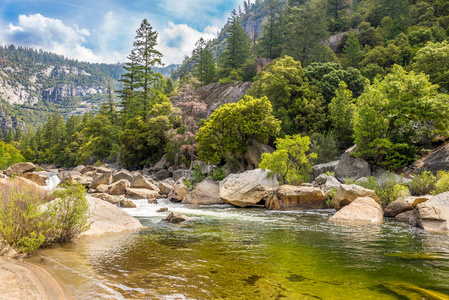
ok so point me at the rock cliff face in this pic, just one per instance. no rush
(214, 95)
(57, 94)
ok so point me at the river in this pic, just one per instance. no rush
(232, 253)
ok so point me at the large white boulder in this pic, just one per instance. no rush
(205, 193)
(363, 209)
(106, 217)
(248, 188)
(288, 197)
(433, 215)
(347, 193)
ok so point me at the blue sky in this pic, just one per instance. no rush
(103, 30)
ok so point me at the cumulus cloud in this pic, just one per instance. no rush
(110, 41)
(52, 35)
(178, 40)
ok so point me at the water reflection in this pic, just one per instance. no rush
(230, 253)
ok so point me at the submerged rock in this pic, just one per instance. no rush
(289, 197)
(205, 193)
(410, 291)
(363, 209)
(396, 207)
(163, 209)
(247, 188)
(348, 193)
(176, 217)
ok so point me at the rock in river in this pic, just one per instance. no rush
(248, 188)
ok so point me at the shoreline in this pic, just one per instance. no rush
(25, 280)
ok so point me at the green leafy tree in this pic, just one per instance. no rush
(341, 113)
(291, 160)
(433, 60)
(294, 102)
(393, 114)
(143, 141)
(383, 56)
(233, 127)
(352, 52)
(327, 77)
(237, 49)
(128, 80)
(9, 155)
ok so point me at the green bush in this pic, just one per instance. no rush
(422, 183)
(442, 184)
(9, 156)
(387, 188)
(325, 146)
(27, 225)
(218, 174)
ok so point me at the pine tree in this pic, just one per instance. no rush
(9, 138)
(147, 57)
(128, 80)
(269, 44)
(200, 66)
(337, 11)
(237, 49)
(1, 135)
(352, 52)
(305, 33)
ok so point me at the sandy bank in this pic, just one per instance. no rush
(22, 280)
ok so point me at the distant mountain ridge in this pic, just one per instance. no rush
(34, 82)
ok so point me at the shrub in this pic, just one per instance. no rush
(26, 225)
(387, 188)
(325, 146)
(442, 184)
(9, 156)
(70, 214)
(423, 183)
(218, 174)
(291, 160)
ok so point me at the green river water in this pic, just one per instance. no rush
(231, 253)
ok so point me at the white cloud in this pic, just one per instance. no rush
(51, 35)
(178, 40)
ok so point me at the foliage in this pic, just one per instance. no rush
(341, 113)
(387, 187)
(25, 225)
(70, 213)
(218, 174)
(291, 160)
(422, 183)
(352, 52)
(9, 156)
(332, 194)
(325, 146)
(269, 43)
(237, 49)
(433, 59)
(231, 128)
(442, 184)
(327, 77)
(205, 69)
(306, 31)
(394, 113)
(294, 102)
